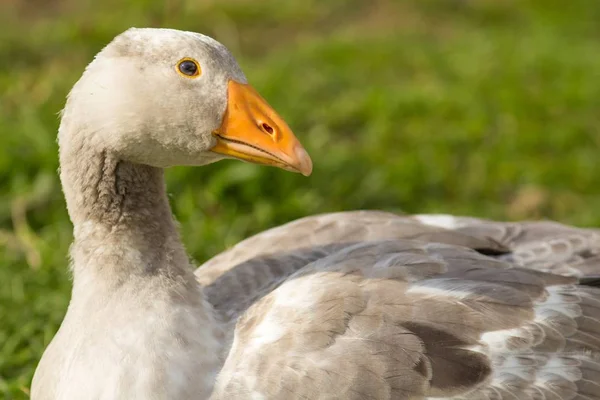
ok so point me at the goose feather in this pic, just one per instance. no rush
(366, 304)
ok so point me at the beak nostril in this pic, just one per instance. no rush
(268, 128)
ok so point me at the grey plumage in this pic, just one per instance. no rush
(343, 306)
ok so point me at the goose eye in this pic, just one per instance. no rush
(188, 68)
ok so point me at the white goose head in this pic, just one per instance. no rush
(151, 99)
(163, 97)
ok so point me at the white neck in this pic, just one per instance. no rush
(137, 324)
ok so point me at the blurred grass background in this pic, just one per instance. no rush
(480, 107)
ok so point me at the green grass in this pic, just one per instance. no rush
(481, 107)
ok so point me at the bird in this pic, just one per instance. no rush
(361, 304)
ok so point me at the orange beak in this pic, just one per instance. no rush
(252, 131)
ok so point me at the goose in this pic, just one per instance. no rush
(351, 305)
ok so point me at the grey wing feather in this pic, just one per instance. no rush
(239, 276)
(343, 306)
(544, 245)
(336, 228)
(403, 319)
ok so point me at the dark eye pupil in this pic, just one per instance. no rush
(188, 68)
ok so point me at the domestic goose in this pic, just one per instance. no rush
(355, 305)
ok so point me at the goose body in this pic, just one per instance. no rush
(355, 305)
(371, 305)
